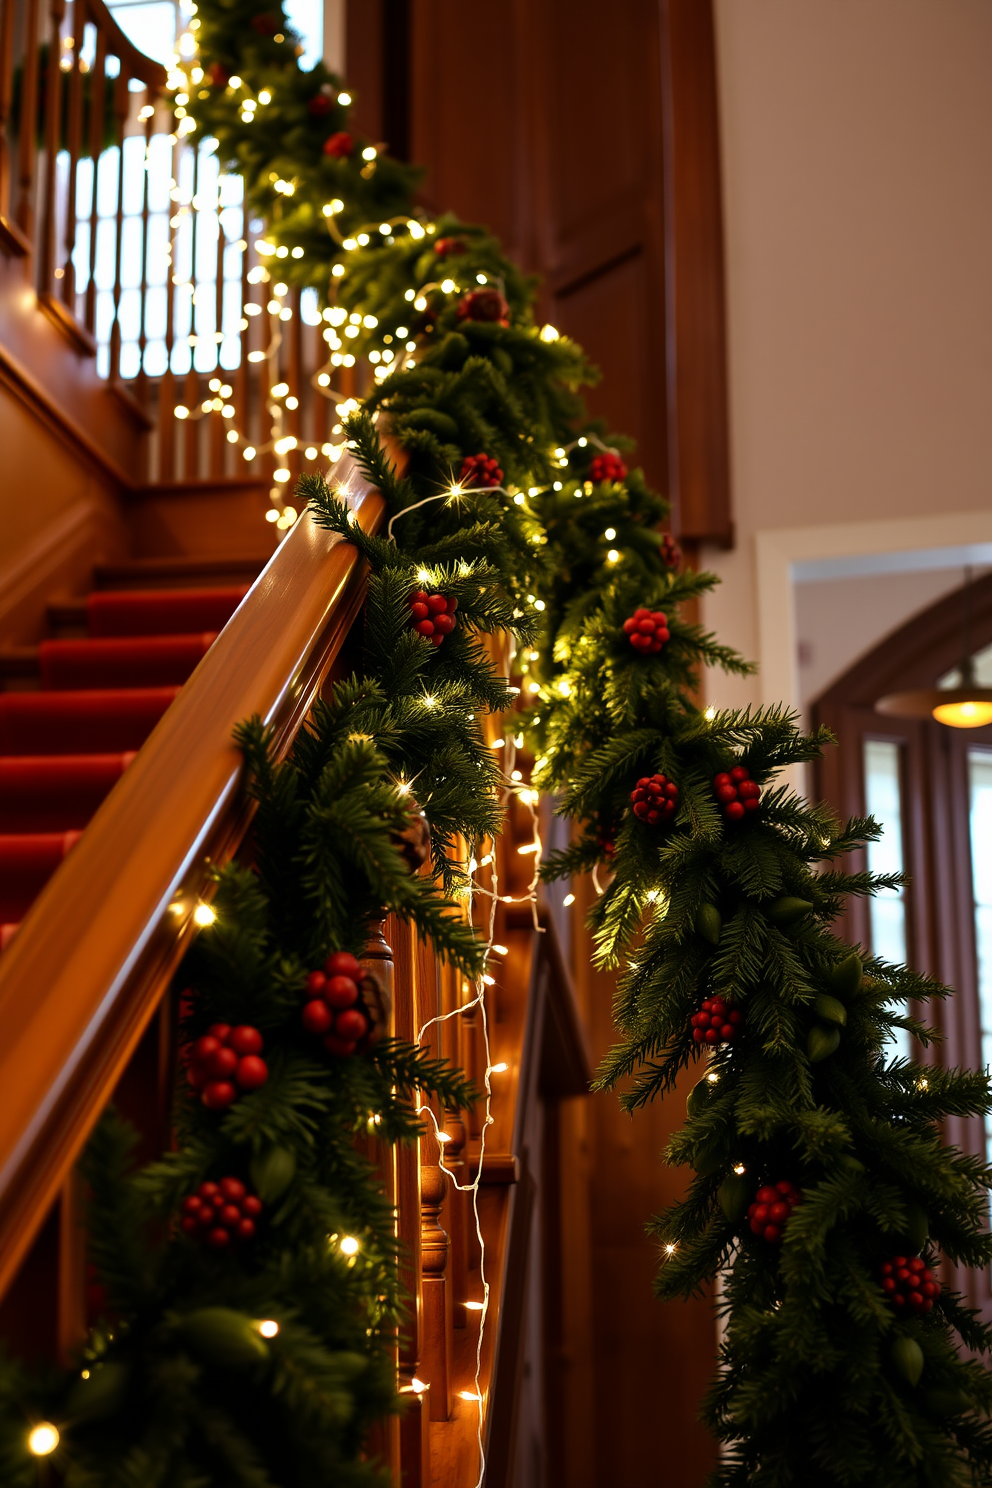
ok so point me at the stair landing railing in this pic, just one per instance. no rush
(139, 248)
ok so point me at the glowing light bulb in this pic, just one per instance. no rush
(568, 899)
(610, 534)
(180, 411)
(43, 1439)
(499, 1069)
(344, 99)
(473, 1306)
(963, 715)
(501, 950)
(268, 1327)
(349, 1245)
(204, 915)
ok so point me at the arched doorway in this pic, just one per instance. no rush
(930, 787)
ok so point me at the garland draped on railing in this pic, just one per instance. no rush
(820, 1187)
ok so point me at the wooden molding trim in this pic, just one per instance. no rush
(34, 570)
(698, 418)
(12, 240)
(125, 896)
(130, 404)
(62, 317)
(17, 380)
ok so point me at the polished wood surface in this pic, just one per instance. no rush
(124, 898)
(620, 211)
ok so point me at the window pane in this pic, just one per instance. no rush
(980, 832)
(883, 801)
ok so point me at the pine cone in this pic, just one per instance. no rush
(414, 840)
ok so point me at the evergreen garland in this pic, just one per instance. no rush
(821, 1189)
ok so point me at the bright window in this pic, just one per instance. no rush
(883, 801)
(980, 834)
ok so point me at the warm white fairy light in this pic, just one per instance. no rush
(43, 1439)
(204, 915)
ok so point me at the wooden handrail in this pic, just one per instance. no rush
(73, 1004)
(133, 62)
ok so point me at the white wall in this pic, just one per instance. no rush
(857, 161)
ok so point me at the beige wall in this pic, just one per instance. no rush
(857, 158)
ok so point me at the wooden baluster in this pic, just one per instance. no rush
(191, 467)
(436, 1342)
(384, 1439)
(98, 103)
(191, 428)
(167, 421)
(415, 1422)
(121, 105)
(141, 385)
(10, 238)
(471, 1060)
(218, 424)
(294, 360)
(74, 136)
(53, 126)
(436, 1294)
(27, 133)
(241, 387)
(454, 1160)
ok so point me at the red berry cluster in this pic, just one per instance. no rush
(647, 630)
(654, 799)
(736, 792)
(671, 553)
(220, 1214)
(771, 1208)
(716, 1023)
(909, 1284)
(319, 105)
(480, 470)
(432, 615)
(484, 304)
(339, 145)
(331, 1008)
(607, 468)
(225, 1061)
(444, 246)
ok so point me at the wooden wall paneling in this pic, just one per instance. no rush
(364, 40)
(469, 114)
(652, 1361)
(696, 336)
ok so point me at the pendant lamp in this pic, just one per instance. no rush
(968, 705)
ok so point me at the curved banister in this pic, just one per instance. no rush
(82, 977)
(133, 61)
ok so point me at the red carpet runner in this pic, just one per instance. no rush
(63, 748)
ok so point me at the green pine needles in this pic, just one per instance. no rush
(820, 1190)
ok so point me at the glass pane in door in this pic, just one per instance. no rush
(883, 801)
(980, 833)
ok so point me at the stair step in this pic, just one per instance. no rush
(19, 666)
(68, 614)
(122, 661)
(97, 721)
(56, 792)
(155, 612)
(174, 573)
(27, 862)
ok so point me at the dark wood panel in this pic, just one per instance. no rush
(470, 115)
(614, 314)
(699, 452)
